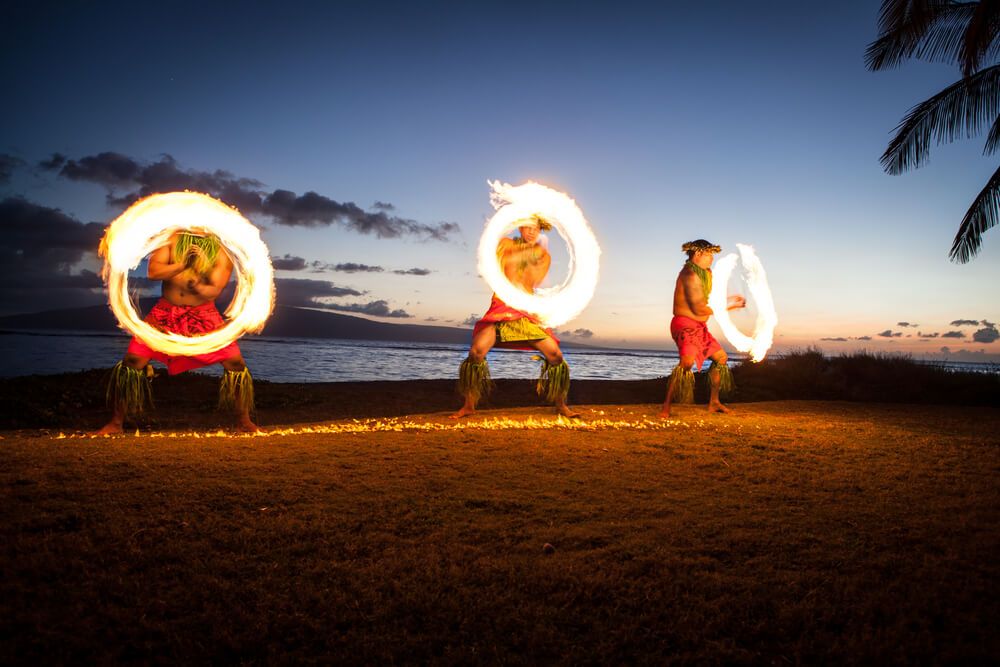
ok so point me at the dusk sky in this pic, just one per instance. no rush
(737, 122)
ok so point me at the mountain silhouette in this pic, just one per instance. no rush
(285, 322)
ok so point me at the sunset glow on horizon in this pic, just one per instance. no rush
(365, 168)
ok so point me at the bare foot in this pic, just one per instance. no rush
(565, 411)
(464, 411)
(247, 426)
(665, 413)
(718, 407)
(111, 428)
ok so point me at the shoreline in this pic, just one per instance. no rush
(77, 401)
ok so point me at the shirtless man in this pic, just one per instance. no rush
(194, 270)
(690, 331)
(525, 262)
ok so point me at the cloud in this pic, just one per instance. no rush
(928, 335)
(306, 293)
(430, 319)
(383, 206)
(315, 210)
(953, 334)
(56, 161)
(351, 267)
(8, 163)
(906, 324)
(127, 180)
(378, 308)
(288, 263)
(577, 333)
(889, 333)
(987, 334)
(838, 339)
(987, 323)
(863, 338)
(40, 250)
(964, 323)
(40, 233)
(108, 169)
(295, 263)
(470, 320)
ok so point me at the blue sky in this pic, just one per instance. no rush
(665, 121)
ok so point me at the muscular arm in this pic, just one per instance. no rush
(535, 274)
(211, 285)
(160, 267)
(518, 267)
(695, 295)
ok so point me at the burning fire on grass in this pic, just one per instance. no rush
(403, 425)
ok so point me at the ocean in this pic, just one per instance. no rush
(336, 360)
(326, 359)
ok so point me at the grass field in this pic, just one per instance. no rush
(788, 532)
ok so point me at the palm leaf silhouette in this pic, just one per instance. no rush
(966, 34)
(982, 215)
(961, 110)
(935, 34)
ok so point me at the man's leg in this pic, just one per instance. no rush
(553, 385)
(236, 392)
(474, 374)
(128, 391)
(680, 386)
(719, 376)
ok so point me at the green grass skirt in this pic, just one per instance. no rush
(521, 329)
(474, 379)
(236, 391)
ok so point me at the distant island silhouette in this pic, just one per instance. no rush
(285, 322)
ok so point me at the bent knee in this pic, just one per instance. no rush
(235, 364)
(135, 361)
(554, 358)
(722, 359)
(478, 354)
(686, 362)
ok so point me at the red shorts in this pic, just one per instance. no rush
(693, 339)
(187, 321)
(501, 312)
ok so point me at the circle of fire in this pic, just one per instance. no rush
(753, 272)
(552, 305)
(147, 225)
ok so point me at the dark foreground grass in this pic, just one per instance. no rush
(787, 533)
(863, 376)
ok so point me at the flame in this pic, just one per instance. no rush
(405, 425)
(147, 225)
(552, 305)
(756, 279)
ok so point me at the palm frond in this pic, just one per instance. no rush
(981, 216)
(895, 14)
(993, 138)
(933, 31)
(980, 35)
(960, 110)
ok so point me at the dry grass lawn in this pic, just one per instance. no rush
(790, 532)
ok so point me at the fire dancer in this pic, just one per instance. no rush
(690, 331)
(193, 269)
(525, 262)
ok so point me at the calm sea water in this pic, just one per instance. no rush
(334, 360)
(327, 360)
